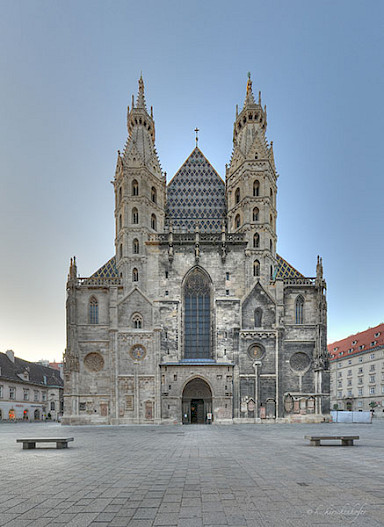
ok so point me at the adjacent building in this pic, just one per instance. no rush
(29, 391)
(196, 318)
(357, 372)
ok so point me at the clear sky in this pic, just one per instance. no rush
(68, 70)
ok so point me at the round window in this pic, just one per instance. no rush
(94, 362)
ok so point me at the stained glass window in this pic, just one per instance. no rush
(197, 319)
(93, 311)
(299, 310)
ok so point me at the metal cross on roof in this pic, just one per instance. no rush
(197, 134)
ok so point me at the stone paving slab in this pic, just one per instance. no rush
(192, 476)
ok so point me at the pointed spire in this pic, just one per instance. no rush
(140, 96)
(249, 98)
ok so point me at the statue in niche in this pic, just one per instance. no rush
(258, 317)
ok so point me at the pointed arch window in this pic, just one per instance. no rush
(93, 310)
(120, 194)
(135, 275)
(256, 241)
(237, 221)
(120, 221)
(256, 188)
(135, 188)
(135, 246)
(237, 195)
(258, 317)
(121, 250)
(197, 316)
(153, 195)
(135, 216)
(153, 222)
(256, 268)
(299, 304)
(255, 214)
(270, 245)
(137, 321)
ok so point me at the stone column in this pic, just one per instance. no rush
(256, 367)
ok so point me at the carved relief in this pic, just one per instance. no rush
(299, 361)
(94, 362)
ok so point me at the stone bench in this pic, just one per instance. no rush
(345, 440)
(61, 442)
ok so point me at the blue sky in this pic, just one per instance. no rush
(68, 70)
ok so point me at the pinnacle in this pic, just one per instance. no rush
(140, 103)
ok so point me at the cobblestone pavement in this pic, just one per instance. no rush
(191, 476)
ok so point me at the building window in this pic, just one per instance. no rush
(360, 391)
(339, 394)
(93, 310)
(120, 221)
(361, 347)
(258, 317)
(256, 241)
(340, 374)
(349, 382)
(299, 310)
(153, 195)
(270, 245)
(360, 370)
(197, 319)
(359, 403)
(135, 188)
(137, 321)
(256, 188)
(382, 389)
(237, 221)
(135, 216)
(135, 246)
(372, 378)
(373, 343)
(339, 365)
(35, 395)
(227, 276)
(349, 372)
(1, 392)
(153, 222)
(43, 396)
(237, 195)
(360, 359)
(256, 268)
(372, 356)
(120, 194)
(12, 392)
(227, 292)
(26, 394)
(372, 390)
(349, 361)
(135, 275)
(166, 274)
(360, 380)
(52, 406)
(255, 214)
(349, 393)
(372, 367)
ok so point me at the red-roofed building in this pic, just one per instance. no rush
(357, 371)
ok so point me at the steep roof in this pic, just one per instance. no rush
(108, 270)
(286, 270)
(38, 374)
(196, 194)
(362, 342)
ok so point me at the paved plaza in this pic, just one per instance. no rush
(192, 476)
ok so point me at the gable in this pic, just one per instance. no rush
(257, 299)
(134, 303)
(196, 194)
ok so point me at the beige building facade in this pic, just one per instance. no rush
(357, 372)
(196, 318)
(29, 391)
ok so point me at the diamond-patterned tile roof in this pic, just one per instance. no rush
(107, 270)
(285, 270)
(196, 194)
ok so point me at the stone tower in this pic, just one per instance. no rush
(251, 189)
(139, 193)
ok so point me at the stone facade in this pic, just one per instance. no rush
(197, 318)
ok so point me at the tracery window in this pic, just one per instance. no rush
(256, 187)
(237, 195)
(255, 214)
(256, 240)
(153, 195)
(299, 310)
(135, 216)
(256, 268)
(135, 275)
(237, 221)
(153, 222)
(93, 310)
(135, 188)
(197, 316)
(137, 321)
(135, 246)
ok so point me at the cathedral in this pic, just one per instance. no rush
(196, 318)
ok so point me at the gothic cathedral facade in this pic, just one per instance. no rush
(196, 318)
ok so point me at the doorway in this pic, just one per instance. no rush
(196, 402)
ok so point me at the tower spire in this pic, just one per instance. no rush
(140, 96)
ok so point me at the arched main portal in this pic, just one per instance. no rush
(197, 402)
